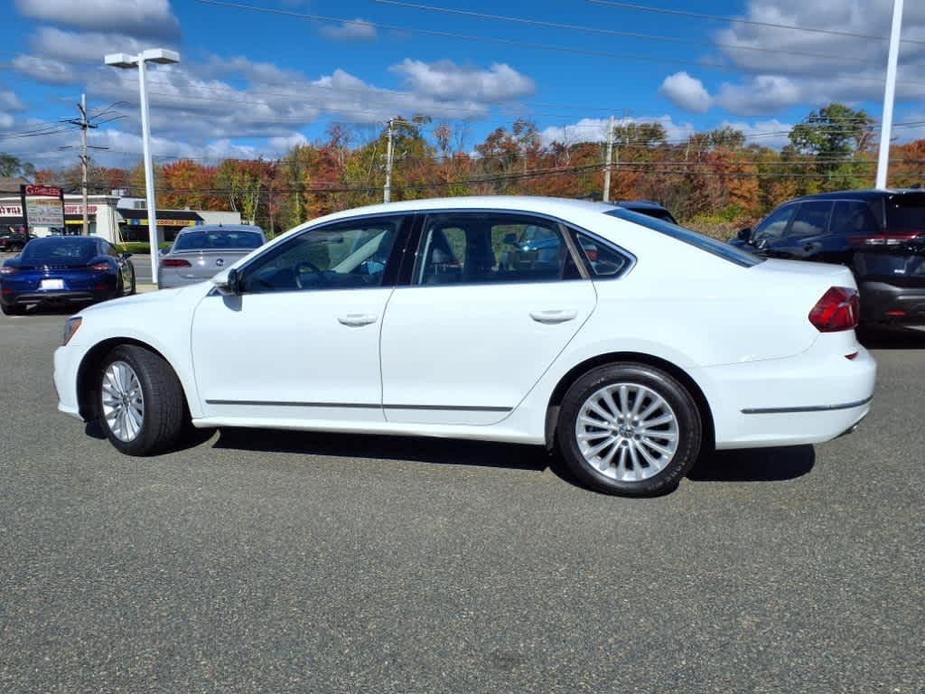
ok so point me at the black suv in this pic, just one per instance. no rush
(14, 241)
(879, 234)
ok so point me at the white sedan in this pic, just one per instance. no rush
(630, 343)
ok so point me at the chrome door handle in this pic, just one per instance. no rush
(553, 317)
(357, 320)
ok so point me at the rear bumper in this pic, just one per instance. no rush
(887, 303)
(809, 398)
(52, 297)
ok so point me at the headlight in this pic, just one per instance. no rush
(71, 327)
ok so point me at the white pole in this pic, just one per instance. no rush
(149, 169)
(889, 92)
(387, 188)
(608, 160)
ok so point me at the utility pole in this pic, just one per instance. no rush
(84, 161)
(889, 92)
(608, 160)
(387, 188)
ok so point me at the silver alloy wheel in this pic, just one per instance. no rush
(123, 401)
(627, 432)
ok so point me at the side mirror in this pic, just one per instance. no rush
(163, 251)
(227, 282)
(510, 239)
(125, 256)
(745, 235)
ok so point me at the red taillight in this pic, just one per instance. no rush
(175, 262)
(896, 238)
(100, 267)
(838, 309)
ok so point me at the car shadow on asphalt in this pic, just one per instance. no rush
(753, 465)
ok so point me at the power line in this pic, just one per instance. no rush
(608, 32)
(739, 20)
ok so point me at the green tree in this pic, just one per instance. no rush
(11, 166)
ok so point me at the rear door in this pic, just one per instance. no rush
(482, 317)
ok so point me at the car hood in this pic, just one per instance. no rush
(180, 295)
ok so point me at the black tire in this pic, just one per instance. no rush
(688, 419)
(132, 289)
(12, 310)
(165, 413)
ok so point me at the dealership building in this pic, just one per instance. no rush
(114, 217)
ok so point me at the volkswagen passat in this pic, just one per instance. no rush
(200, 252)
(634, 347)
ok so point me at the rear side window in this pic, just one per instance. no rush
(477, 248)
(852, 217)
(601, 259)
(905, 213)
(691, 238)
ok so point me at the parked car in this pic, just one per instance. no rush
(64, 269)
(12, 241)
(879, 234)
(649, 208)
(399, 319)
(199, 252)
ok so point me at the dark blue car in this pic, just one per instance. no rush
(64, 269)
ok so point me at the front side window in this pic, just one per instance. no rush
(475, 248)
(812, 219)
(772, 228)
(348, 255)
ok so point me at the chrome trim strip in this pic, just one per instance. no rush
(809, 408)
(358, 405)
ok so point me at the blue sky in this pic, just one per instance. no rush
(252, 83)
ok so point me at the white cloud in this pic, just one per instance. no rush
(140, 18)
(45, 70)
(595, 129)
(761, 94)
(447, 80)
(350, 30)
(686, 92)
(785, 67)
(9, 101)
(80, 46)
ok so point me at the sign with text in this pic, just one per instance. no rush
(43, 206)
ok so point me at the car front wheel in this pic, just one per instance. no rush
(141, 402)
(629, 429)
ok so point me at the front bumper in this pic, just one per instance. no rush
(887, 303)
(67, 363)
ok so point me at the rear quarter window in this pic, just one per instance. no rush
(719, 249)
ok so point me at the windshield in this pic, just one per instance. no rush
(217, 240)
(905, 213)
(59, 250)
(692, 238)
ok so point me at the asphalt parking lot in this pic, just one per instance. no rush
(266, 561)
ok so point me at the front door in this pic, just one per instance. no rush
(493, 299)
(301, 341)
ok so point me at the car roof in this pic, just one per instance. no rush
(866, 194)
(508, 203)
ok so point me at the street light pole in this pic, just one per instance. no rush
(889, 92)
(154, 55)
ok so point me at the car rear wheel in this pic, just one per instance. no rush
(12, 310)
(142, 408)
(629, 429)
